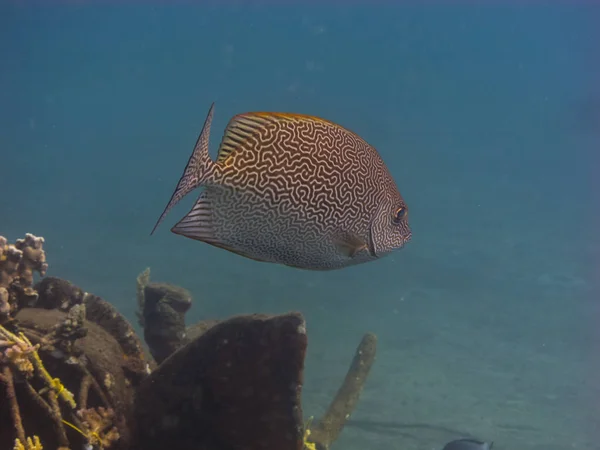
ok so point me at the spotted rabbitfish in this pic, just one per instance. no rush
(292, 189)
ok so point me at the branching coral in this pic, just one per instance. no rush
(17, 352)
(98, 426)
(19, 356)
(29, 444)
(18, 263)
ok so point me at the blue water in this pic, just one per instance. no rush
(488, 117)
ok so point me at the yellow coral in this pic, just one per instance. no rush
(23, 354)
(89, 436)
(30, 444)
(306, 444)
(98, 426)
(18, 352)
(54, 383)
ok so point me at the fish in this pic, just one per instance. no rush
(291, 189)
(468, 444)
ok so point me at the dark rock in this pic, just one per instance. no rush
(163, 316)
(235, 387)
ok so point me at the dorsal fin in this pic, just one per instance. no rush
(243, 126)
(239, 129)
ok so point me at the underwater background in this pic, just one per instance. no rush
(488, 116)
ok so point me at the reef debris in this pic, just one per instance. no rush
(56, 293)
(74, 373)
(161, 313)
(163, 319)
(328, 428)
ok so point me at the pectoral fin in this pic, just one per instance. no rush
(350, 245)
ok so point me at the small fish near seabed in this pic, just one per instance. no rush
(292, 189)
(468, 444)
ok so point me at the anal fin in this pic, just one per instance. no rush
(236, 251)
(198, 223)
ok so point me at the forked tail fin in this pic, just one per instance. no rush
(197, 170)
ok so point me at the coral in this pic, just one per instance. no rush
(71, 328)
(17, 352)
(306, 443)
(93, 367)
(97, 425)
(20, 354)
(8, 380)
(18, 263)
(30, 444)
(329, 427)
(5, 307)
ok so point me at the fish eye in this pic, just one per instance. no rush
(400, 214)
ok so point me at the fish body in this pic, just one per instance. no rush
(292, 189)
(468, 444)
